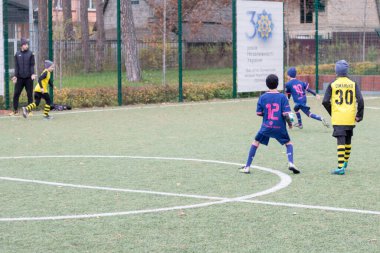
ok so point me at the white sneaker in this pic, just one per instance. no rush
(244, 170)
(293, 168)
(24, 112)
(325, 123)
(48, 117)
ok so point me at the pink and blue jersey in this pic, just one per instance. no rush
(272, 106)
(298, 90)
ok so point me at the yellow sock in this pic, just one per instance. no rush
(31, 107)
(341, 153)
(347, 152)
(46, 110)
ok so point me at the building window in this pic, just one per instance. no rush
(92, 4)
(306, 11)
(58, 4)
(135, 1)
(322, 5)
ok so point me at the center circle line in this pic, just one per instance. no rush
(285, 180)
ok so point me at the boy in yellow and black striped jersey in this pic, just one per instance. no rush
(42, 91)
(340, 101)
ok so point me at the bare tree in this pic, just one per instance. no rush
(132, 62)
(100, 36)
(68, 19)
(42, 34)
(193, 13)
(85, 34)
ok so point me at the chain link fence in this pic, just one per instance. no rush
(346, 30)
(341, 35)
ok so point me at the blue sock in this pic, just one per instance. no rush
(289, 152)
(251, 155)
(315, 116)
(299, 118)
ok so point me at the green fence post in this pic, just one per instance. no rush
(51, 49)
(316, 48)
(180, 90)
(119, 91)
(234, 52)
(6, 51)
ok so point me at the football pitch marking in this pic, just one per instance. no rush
(142, 107)
(168, 105)
(284, 182)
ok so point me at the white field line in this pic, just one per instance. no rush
(284, 177)
(371, 107)
(285, 181)
(155, 106)
(324, 208)
(220, 200)
(98, 215)
(371, 98)
(109, 188)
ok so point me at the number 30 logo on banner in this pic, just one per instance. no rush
(262, 25)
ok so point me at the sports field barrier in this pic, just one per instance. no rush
(306, 45)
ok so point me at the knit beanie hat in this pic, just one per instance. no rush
(23, 41)
(292, 72)
(341, 68)
(47, 64)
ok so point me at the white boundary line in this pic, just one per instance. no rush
(285, 181)
(371, 107)
(154, 106)
(168, 105)
(324, 208)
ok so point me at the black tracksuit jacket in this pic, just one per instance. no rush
(24, 64)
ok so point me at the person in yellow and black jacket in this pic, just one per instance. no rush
(343, 100)
(42, 91)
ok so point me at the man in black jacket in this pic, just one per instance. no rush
(24, 74)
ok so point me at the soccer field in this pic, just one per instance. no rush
(163, 178)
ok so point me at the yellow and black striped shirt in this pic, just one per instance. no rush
(44, 82)
(340, 101)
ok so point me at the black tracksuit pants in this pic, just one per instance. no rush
(20, 84)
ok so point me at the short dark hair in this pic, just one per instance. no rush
(272, 81)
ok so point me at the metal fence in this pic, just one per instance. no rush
(354, 39)
(352, 46)
(68, 55)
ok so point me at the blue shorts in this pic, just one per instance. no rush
(282, 138)
(302, 107)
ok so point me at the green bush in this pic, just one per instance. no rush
(102, 97)
(361, 68)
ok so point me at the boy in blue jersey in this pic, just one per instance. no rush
(297, 89)
(274, 107)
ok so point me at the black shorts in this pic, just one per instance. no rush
(39, 95)
(343, 131)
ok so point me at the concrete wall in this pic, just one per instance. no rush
(141, 15)
(339, 16)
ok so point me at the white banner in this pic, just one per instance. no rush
(260, 40)
(1, 51)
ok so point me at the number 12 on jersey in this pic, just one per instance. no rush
(272, 108)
